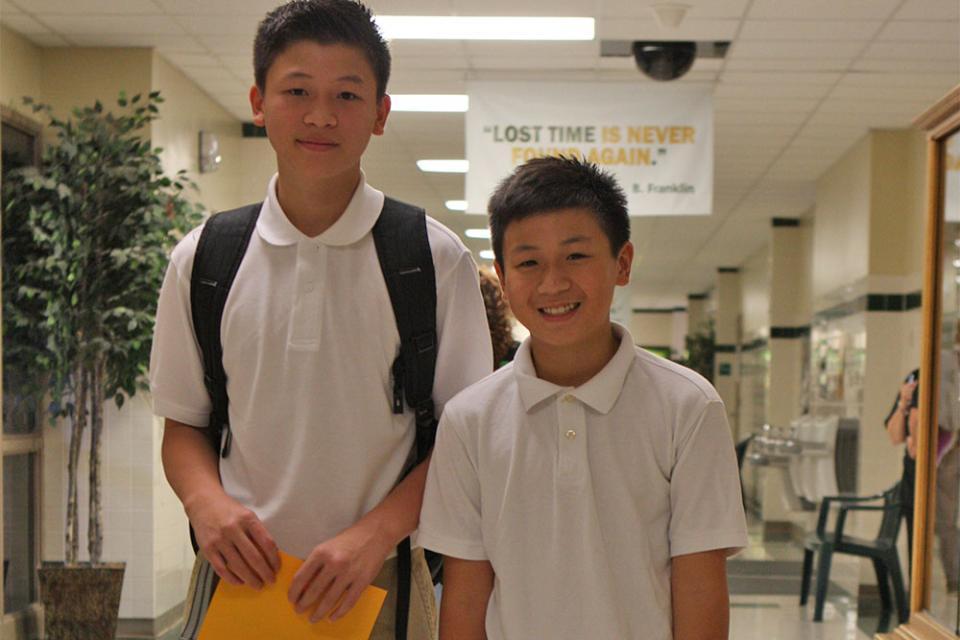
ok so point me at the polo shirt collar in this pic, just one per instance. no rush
(600, 392)
(356, 221)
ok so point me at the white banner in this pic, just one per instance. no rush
(657, 141)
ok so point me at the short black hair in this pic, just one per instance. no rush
(549, 184)
(324, 22)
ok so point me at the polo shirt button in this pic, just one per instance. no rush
(568, 398)
(570, 434)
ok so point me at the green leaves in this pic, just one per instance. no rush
(85, 246)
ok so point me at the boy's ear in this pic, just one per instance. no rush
(383, 110)
(256, 105)
(624, 263)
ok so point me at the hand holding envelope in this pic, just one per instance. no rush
(242, 613)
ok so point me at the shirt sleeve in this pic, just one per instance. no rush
(176, 367)
(706, 504)
(465, 354)
(450, 522)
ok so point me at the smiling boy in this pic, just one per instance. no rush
(589, 489)
(309, 336)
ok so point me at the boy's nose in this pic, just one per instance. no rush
(321, 116)
(554, 281)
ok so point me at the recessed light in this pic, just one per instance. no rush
(456, 205)
(487, 254)
(478, 233)
(443, 166)
(485, 28)
(433, 103)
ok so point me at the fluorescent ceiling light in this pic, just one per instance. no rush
(487, 254)
(443, 166)
(484, 28)
(478, 233)
(456, 205)
(446, 103)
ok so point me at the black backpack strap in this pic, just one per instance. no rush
(403, 248)
(220, 250)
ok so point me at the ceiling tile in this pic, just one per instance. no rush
(227, 45)
(824, 9)
(422, 48)
(131, 26)
(7, 7)
(544, 62)
(845, 30)
(23, 24)
(698, 8)
(922, 31)
(929, 10)
(804, 51)
(626, 28)
(165, 44)
(913, 51)
(221, 7)
(513, 8)
(237, 25)
(85, 7)
(185, 60)
(48, 40)
(798, 105)
(523, 50)
(918, 65)
(780, 64)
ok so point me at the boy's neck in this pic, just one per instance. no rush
(572, 366)
(313, 206)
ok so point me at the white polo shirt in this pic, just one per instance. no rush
(309, 338)
(579, 497)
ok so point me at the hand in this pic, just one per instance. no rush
(913, 420)
(337, 571)
(906, 394)
(234, 541)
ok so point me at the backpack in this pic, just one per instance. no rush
(403, 249)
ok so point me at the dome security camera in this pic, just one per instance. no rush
(667, 60)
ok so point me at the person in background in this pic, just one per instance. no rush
(498, 317)
(902, 424)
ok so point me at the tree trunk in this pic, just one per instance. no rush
(95, 524)
(78, 422)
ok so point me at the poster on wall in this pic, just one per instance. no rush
(657, 141)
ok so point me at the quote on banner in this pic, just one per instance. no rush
(657, 141)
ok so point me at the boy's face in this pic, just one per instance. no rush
(319, 106)
(559, 275)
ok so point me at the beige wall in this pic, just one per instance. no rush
(74, 77)
(755, 294)
(186, 111)
(20, 61)
(652, 329)
(842, 222)
(258, 163)
(897, 203)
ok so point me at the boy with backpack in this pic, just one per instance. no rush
(311, 340)
(588, 489)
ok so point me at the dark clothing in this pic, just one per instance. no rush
(909, 478)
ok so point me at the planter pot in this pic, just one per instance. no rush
(81, 601)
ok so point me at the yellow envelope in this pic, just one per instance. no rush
(242, 613)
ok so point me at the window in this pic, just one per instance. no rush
(20, 437)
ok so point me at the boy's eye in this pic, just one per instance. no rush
(577, 256)
(348, 95)
(297, 92)
(527, 263)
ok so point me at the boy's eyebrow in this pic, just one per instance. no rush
(533, 247)
(294, 75)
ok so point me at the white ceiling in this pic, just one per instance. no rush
(803, 81)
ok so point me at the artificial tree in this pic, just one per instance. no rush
(86, 237)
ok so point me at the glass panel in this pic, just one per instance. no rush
(18, 148)
(19, 531)
(945, 574)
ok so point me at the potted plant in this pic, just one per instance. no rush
(86, 237)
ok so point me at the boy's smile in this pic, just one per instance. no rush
(559, 275)
(320, 107)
